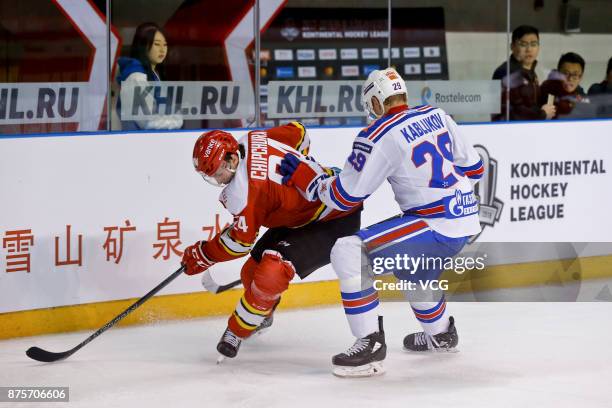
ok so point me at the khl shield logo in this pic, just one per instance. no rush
(290, 31)
(490, 206)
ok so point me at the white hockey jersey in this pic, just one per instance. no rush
(430, 167)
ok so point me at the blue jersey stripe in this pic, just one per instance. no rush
(337, 202)
(429, 205)
(372, 127)
(346, 195)
(468, 168)
(410, 114)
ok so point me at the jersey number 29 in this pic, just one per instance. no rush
(437, 153)
(357, 160)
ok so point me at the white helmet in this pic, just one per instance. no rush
(382, 84)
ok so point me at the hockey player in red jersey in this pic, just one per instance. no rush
(301, 232)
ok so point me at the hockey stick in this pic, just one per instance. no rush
(214, 287)
(39, 354)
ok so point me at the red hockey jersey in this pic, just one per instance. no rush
(256, 196)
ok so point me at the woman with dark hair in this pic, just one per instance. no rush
(601, 94)
(148, 52)
(604, 87)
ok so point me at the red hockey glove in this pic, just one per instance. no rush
(303, 175)
(194, 259)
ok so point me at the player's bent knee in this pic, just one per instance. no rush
(346, 257)
(248, 271)
(345, 248)
(273, 274)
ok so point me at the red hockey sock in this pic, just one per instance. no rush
(271, 277)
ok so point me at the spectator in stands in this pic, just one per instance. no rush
(605, 86)
(521, 84)
(600, 94)
(148, 51)
(564, 84)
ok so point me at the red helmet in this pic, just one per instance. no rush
(210, 150)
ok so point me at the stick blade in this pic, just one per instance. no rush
(38, 354)
(213, 287)
(209, 283)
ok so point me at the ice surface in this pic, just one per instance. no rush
(512, 355)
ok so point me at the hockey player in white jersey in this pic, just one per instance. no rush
(432, 170)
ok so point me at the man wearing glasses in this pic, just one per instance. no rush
(564, 84)
(521, 86)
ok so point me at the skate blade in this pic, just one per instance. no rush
(366, 370)
(220, 359)
(441, 350)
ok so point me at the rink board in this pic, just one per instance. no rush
(92, 186)
(544, 275)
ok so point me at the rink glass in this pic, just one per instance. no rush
(58, 63)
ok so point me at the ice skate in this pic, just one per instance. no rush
(364, 358)
(228, 345)
(422, 342)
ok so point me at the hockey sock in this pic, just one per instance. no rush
(360, 307)
(271, 277)
(432, 316)
(359, 298)
(247, 317)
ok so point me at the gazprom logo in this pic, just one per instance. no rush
(425, 95)
(461, 205)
